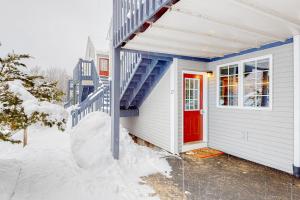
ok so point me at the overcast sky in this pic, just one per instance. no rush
(54, 32)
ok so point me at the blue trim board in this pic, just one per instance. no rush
(169, 55)
(263, 47)
(207, 60)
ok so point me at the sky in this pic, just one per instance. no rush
(53, 32)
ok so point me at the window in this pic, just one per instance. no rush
(256, 83)
(245, 84)
(86, 69)
(103, 64)
(228, 85)
(192, 94)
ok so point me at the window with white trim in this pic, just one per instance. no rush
(256, 83)
(228, 85)
(245, 84)
(192, 88)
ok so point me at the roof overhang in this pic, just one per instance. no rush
(216, 28)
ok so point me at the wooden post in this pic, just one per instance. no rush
(25, 137)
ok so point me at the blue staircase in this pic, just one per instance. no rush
(85, 81)
(140, 72)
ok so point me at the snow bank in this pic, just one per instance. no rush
(9, 173)
(90, 143)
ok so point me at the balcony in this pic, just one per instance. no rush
(135, 16)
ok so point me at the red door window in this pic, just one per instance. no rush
(193, 105)
(104, 67)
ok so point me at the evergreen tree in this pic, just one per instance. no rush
(26, 99)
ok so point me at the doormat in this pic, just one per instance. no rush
(204, 153)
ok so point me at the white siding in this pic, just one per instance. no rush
(264, 137)
(153, 122)
(187, 66)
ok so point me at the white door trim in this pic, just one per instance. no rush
(188, 147)
(174, 106)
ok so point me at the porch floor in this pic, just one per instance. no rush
(223, 177)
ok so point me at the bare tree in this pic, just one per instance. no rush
(54, 74)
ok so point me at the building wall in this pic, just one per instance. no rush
(265, 137)
(153, 122)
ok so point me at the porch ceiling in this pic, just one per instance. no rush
(214, 28)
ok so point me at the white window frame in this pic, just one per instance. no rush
(241, 84)
(198, 96)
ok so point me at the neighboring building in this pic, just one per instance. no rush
(224, 76)
(88, 75)
(100, 58)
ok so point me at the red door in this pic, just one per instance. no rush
(103, 67)
(193, 105)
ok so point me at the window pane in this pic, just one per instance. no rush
(191, 83)
(249, 101)
(262, 101)
(196, 94)
(223, 101)
(233, 91)
(233, 101)
(249, 67)
(263, 64)
(186, 84)
(196, 102)
(186, 104)
(249, 79)
(223, 91)
(191, 94)
(249, 90)
(186, 94)
(262, 76)
(233, 80)
(224, 81)
(262, 89)
(223, 71)
(233, 69)
(197, 84)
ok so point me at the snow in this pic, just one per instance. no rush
(31, 104)
(77, 165)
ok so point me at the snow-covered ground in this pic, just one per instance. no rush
(77, 165)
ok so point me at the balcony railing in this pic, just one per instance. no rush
(85, 70)
(130, 16)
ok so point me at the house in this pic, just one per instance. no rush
(219, 74)
(88, 74)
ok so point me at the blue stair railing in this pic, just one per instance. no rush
(99, 100)
(129, 64)
(139, 73)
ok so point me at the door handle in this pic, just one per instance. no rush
(202, 111)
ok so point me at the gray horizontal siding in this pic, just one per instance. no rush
(153, 122)
(264, 137)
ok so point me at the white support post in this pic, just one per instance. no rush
(296, 167)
